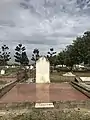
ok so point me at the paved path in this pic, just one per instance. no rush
(55, 92)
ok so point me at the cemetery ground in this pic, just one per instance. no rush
(9, 71)
(68, 105)
(57, 77)
(44, 114)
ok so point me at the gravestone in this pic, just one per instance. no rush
(7, 66)
(42, 71)
(2, 72)
(27, 67)
(31, 67)
(13, 66)
(42, 84)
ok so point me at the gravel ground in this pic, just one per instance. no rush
(37, 114)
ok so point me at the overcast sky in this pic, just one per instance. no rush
(42, 24)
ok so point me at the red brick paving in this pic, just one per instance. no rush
(57, 92)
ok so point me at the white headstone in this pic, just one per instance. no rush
(13, 66)
(31, 67)
(2, 72)
(27, 67)
(42, 71)
(7, 66)
(42, 89)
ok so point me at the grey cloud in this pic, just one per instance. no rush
(42, 23)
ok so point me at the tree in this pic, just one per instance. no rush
(4, 55)
(20, 55)
(51, 56)
(60, 58)
(79, 50)
(35, 55)
(82, 47)
(68, 56)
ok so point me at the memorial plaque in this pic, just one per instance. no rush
(44, 105)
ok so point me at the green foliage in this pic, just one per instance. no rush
(60, 58)
(35, 55)
(4, 55)
(20, 55)
(51, 56)
(77, 52)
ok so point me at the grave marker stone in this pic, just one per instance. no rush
(2, 72)
(42, 84)
(7, 66)
(31, 67)
(13, 66)
(27, 67)
(42, 71)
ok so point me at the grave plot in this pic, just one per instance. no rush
(82, 84)
(85, 82)
(43, 93)
(42, 78)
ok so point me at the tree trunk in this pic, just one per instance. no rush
(71, 68)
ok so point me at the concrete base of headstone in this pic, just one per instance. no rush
(44, 105)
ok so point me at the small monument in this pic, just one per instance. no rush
(13, 66)
(2, 72)
(68, 74)
(31, 67)
(42, 71)
(42, 84)
(7, 66)
(27, 67)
